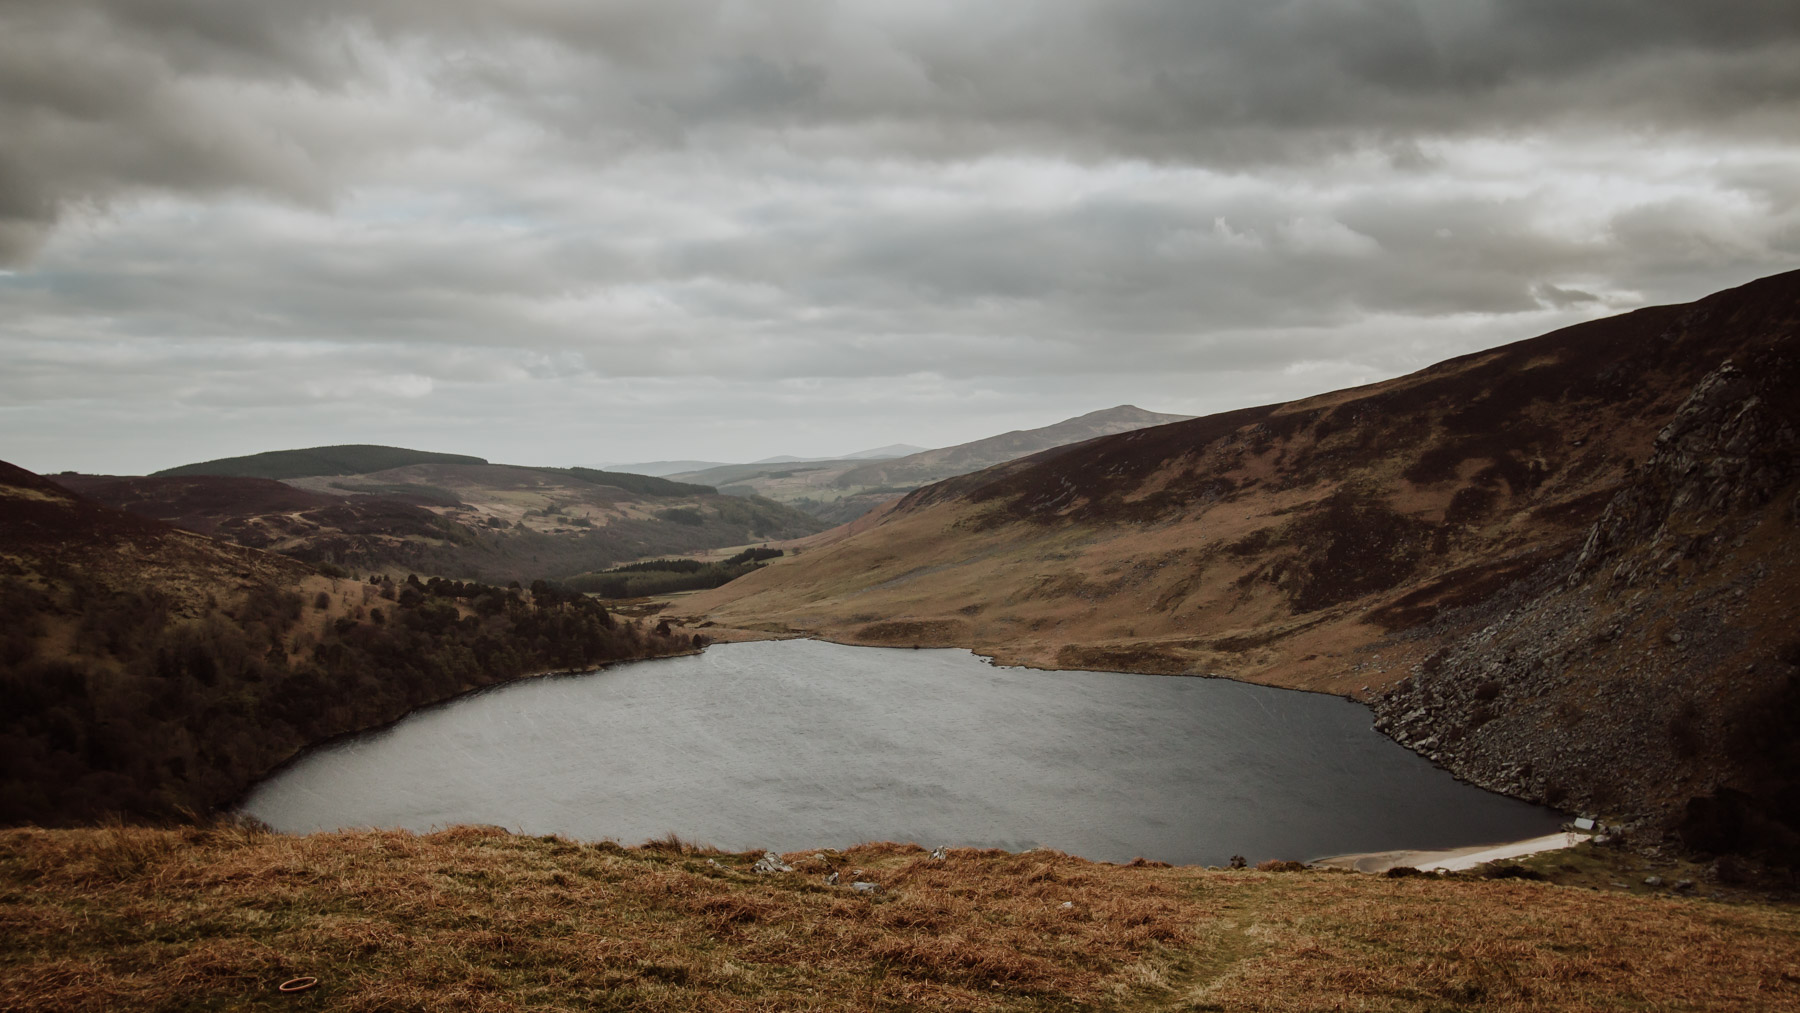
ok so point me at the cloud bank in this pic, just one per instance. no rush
(566, 232)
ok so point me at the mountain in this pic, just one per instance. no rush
(748, 479)
(350, 459)
(935, 465)
(884, 453)
(662, 469)
(1566, 567)
(666, 468)
(877, 454)
(842, 490)
(463, 520)
(149, 670)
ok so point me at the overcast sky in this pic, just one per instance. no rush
(576, 232)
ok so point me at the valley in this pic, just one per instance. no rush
(1494, 552)
(1563, 570)
(733, 507)
(841, 491)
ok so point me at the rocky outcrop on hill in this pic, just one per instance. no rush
(1655, 671)
(1731, 447)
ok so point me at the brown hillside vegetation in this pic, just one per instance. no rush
(470, 521)
(148, 670)
(1339, 542)
(477, 919)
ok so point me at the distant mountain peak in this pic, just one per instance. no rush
(883, 453)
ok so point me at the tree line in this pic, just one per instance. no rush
(666, 576)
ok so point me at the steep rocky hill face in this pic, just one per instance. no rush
(1352, 540)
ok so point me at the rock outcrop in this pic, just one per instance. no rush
(1657, 664)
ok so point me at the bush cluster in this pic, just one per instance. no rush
(666, 576)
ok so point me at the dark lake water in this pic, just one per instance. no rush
(797, 744)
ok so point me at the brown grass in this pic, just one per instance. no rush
(477, 919)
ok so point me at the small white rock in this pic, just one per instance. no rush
(771, 862)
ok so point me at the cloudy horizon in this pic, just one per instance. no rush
(550, 232)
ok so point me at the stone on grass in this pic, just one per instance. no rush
(771, 862)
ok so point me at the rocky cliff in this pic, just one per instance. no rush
(1655, 670)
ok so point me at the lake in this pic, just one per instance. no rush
(800, 744)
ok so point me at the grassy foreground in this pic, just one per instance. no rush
(478, 919)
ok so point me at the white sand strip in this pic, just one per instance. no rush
(1453, 860)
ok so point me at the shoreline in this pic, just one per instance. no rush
(1449, 859)
(235, 804)
(1439, 860)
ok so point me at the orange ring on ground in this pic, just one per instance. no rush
(297, 984)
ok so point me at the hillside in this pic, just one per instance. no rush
(472, 918)
(467, 521)
(261, 512)
(841, 491)
(149, 670)
(1350, 541)
(349, 459)
(930, 466)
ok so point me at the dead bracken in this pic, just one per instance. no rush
(474, 918)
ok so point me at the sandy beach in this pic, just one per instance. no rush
(1452, 860)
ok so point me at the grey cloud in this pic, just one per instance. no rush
(106, 98)
(386, 220)
(995, 287)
